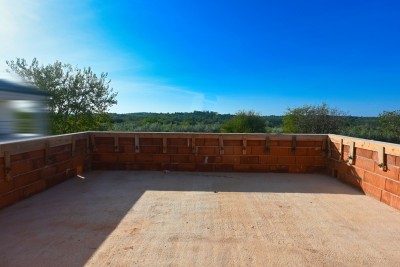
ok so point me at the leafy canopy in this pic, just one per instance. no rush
(390, 122)
(313, 119)
(245, 122)
(79, 98)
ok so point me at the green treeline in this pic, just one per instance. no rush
(306, 119)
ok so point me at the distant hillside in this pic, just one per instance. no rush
(205, 121)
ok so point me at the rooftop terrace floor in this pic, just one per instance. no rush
(127, 218)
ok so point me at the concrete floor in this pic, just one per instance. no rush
(124, 218)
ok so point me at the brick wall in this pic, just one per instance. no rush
(28, 167)
(371, 166)
(209, 152)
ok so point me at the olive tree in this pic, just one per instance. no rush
(245, 122)
(390, 122)
(313, 119)
(79, 98)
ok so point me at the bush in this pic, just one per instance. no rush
(245, 122)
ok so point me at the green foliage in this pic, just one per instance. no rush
(79, 98)
(390, 122)
(313, 119)
(245, 122)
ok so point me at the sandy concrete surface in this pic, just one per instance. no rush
(125, 218)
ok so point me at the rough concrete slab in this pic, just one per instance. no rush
(199, 219)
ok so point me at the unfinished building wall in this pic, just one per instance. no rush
(209, 152)
(371, 166)
(28, 167)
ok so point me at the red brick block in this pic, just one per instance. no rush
(34, 188)
(20, 167)
(360, 152)
(371, 190)
(315, 151)
(107, 157)
(358, 172)
(144, 158)
(125, 157)
(48, 171)
(126, 148)
(375, 156)
(259, 143)
(27, 155)
(233, 150)
(289, 160)
(6, 186)
(335, 146)
(392, 187)
(391, 172)
(237, 143)
(105, 148)
(255, 150)
(395, 202)
(390, 159)
(365, 164)
(26, 178)
(172, 150)
(267, 159)
(151, 149)
(104, 140)
(199, 142)
(58, 149)
(280, 151)
(301, 151)
(335, 155)
(249, 160)
(60, 156)
(353, 180)
(126, 141)
(309, 143)
(230, 159)
(185, 150)
(211, 142)
(304, 160)
(11, 197)
(285, 143)
(161, 158)
(320, 161)
(397, 161)
(208, 150)
(177, 141)
(375, 180)
(213, 159)
(182, 159)
(386, 197)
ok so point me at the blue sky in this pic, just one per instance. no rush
(223, 56)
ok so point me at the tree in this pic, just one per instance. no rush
(313, 119)
(79, 98)
(245, 122)
(390, 122)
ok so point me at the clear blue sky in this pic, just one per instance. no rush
(223, 56)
